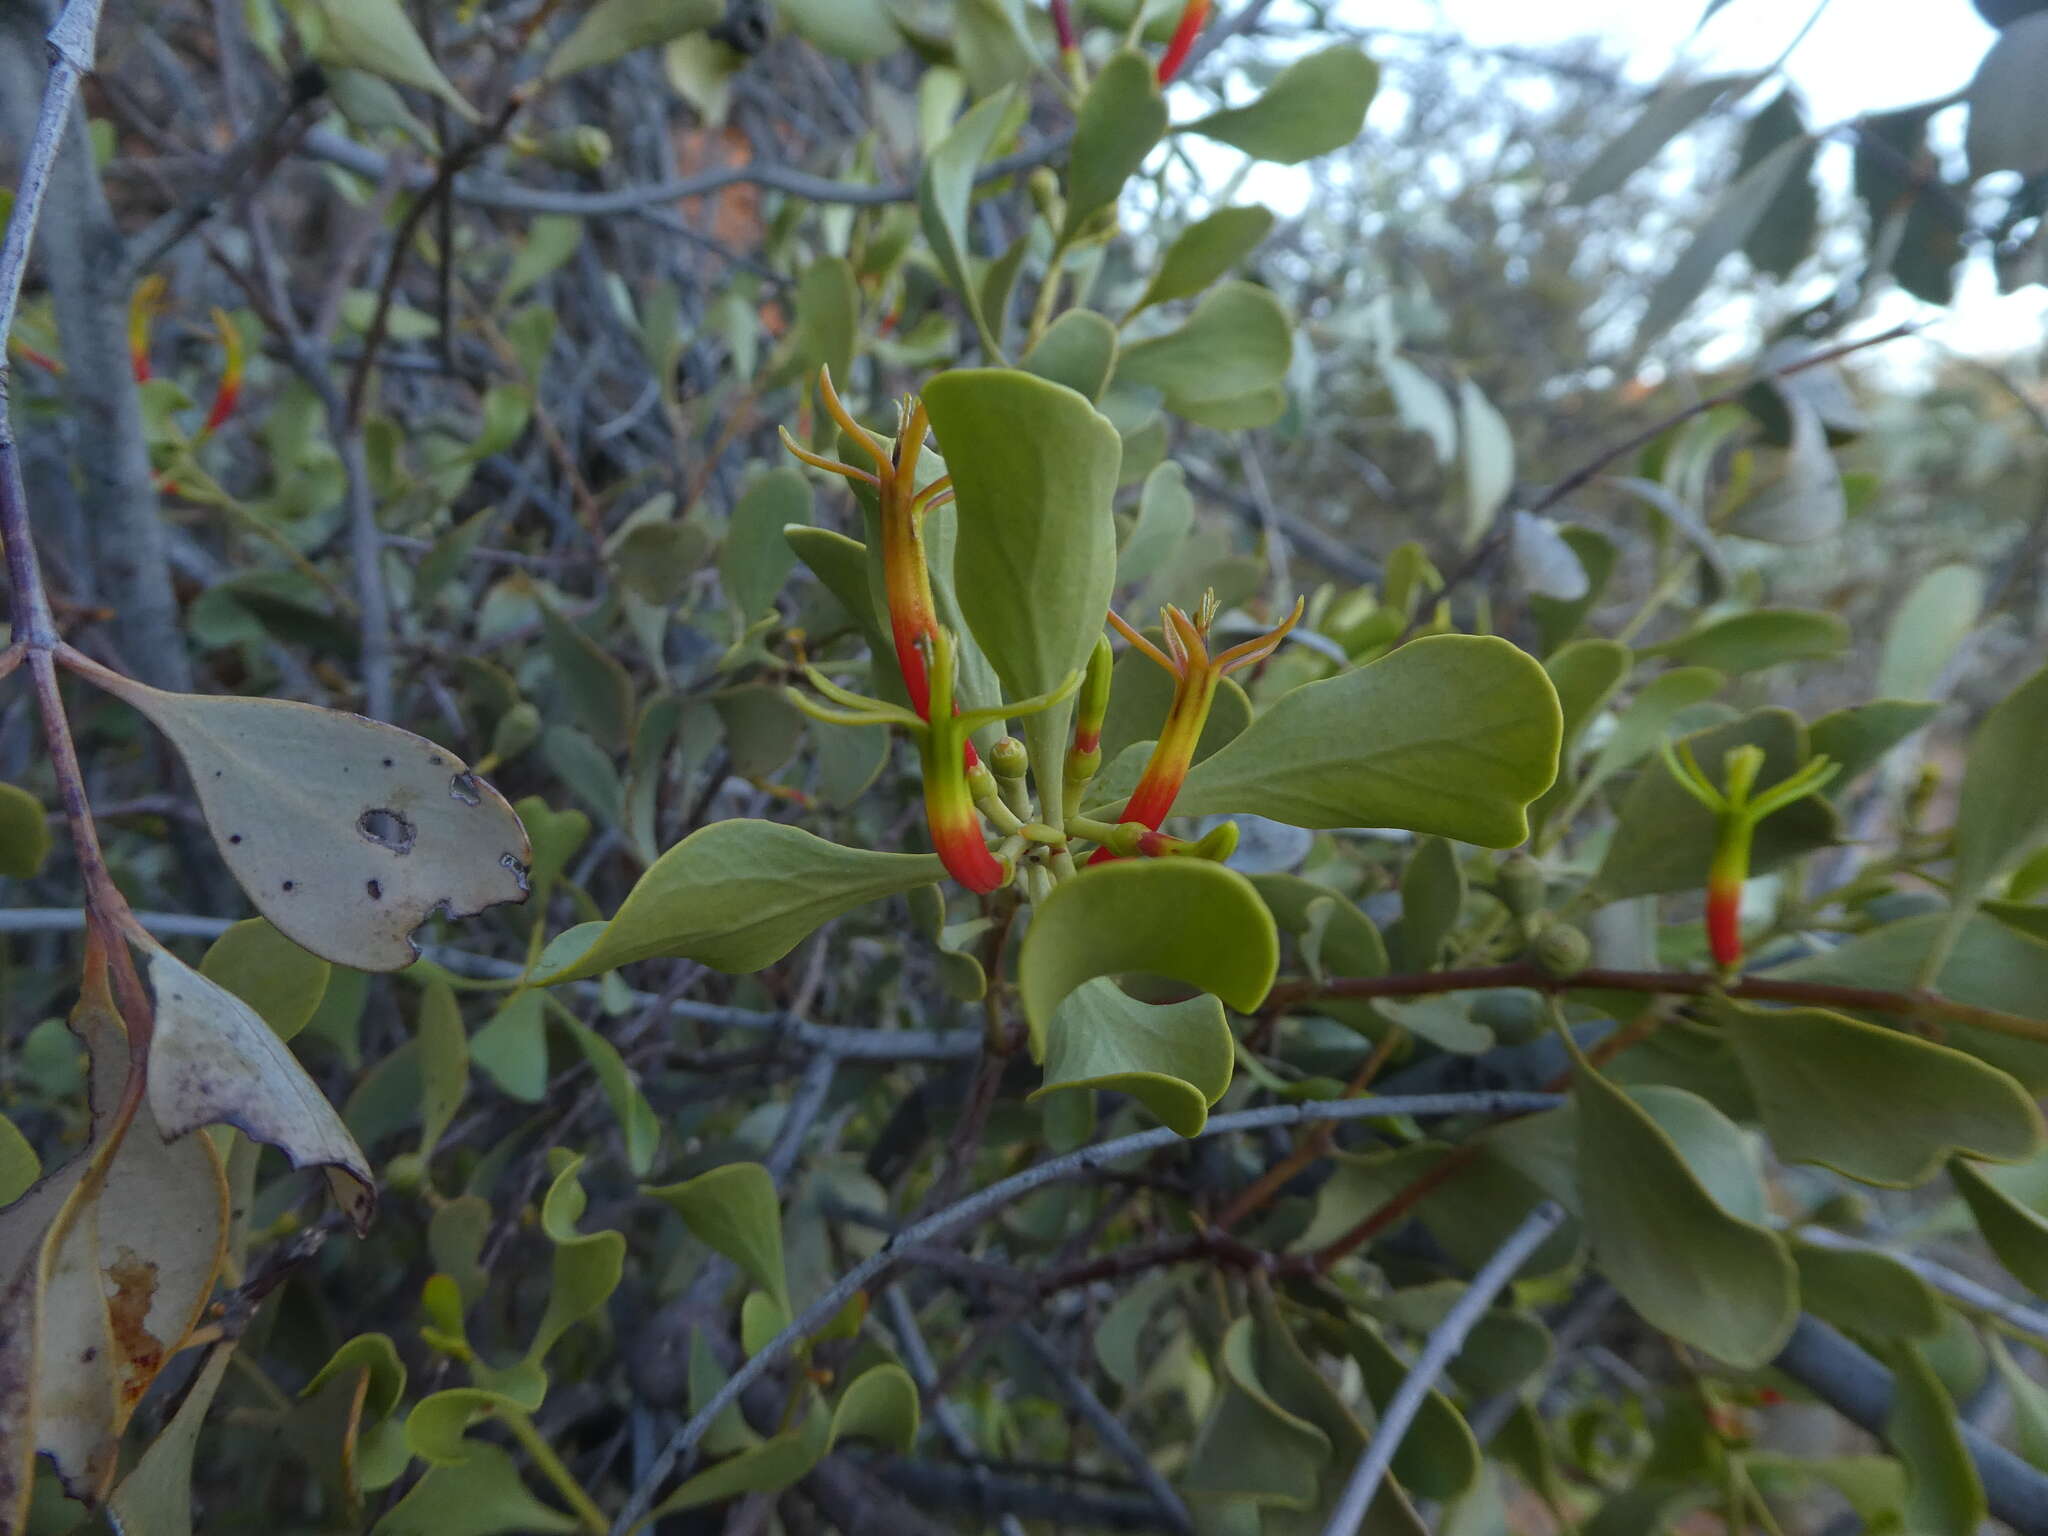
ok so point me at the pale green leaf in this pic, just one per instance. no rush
(1174, 1058)
(2003, 816)
(611, 29)
(1205, 251)
(270, 973)
(1118, 122)
(24, 833)
(734, 1209)
(1315, 105)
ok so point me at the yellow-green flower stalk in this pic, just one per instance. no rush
(1737, 814)
(958, 837)
(1196, 674)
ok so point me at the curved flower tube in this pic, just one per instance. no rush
(956, 830)
(1196, 674)
(1183, 41)
(906, 575)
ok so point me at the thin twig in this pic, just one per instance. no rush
(1442, 1346)
(1109, 1429)
(992, 1198)
(1762, 989)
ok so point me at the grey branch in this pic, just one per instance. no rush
(493, 192)
(1442, 1346)
(1860, 1390)
(1109, 1429)
(992, 1198)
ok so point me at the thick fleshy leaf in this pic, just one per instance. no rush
(1251, 1448)
(736, 895)
(1806, 502)
(1936, 617)
(2015, 1231)
(767, 1468)
(587, 1265)
(1488, 448)
(1233, 350)
(1077, 350)
(1118, 122)
(758, 554)
(734, 1209)
(594, 682)
(2003, 815)
(481, 1495)
(880, 1404)
(1034, 471)
(1174, 1058)
(1750, 642)
(944, 190)
(1690, 1267)
(1439, 1459)
(1860, 735)
(1451, 734)
(1586, 674)
(1944, 1495)
(24, 833)
(1315, 105)
(346, 833)
(1432, 894)
(1656, 704)
(1668, 114)
(1876, 1104)
(444, 1062)
(1865, 1292)
(611, 29)
(1166, 514)
(376, 37)
(1184, 919)
(155, 1499)
(266, 970)
(1205, 251)
(1666, 838)
(215, 1062)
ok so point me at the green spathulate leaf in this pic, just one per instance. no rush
(1586, 674)
(1876, 1104)
(1558, 619)
(636, 1117)
(1867, 1293)
(1174, 1058)
(266, 970)
(1313, 106)
(841, 564)
(1859, 736)
(859, 31)
(1234, 347)
(611, 29)
(880, 1405)
(827, 317)
(375, 36)
(1432, 892)
(1119, 121)
(1439, 1459)
(1205, 251)
(598, 688)
(1750, 642)
(1034, 471)
(1077, 350)
(767, 1468)
(1934, 619)
(481, 1495)
(1451, 734)
(2003, 815)
(1251, 1448)
(1692, 1269)
(734, 1209)
(1990, 966)
(1666, 838)
(2017, 1233)
(758, 555)
(736, 895)
(2029, 1403)
(1185, 919)
(944, 190)
(1654, 707)
(1166, 513)
(24, 833)
(587, 1265)
(1944, 1496)
(444, 1062)
(155, 1499)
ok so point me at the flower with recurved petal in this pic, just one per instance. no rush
(1195, 676)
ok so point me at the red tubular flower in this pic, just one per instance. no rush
(906, 577)
(1196, 674)
(1192, 18)
(1063, 25)
(28, 354)
(229, 390)
(143, 308)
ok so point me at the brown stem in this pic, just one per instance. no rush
(1760, 989)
